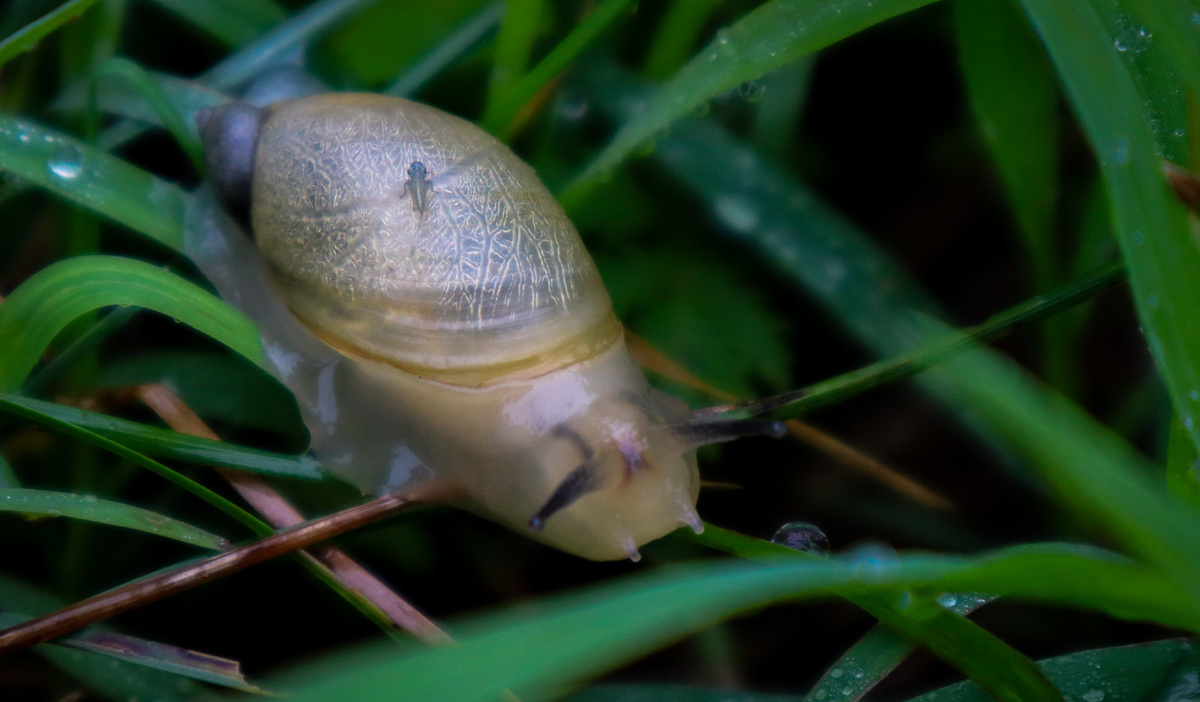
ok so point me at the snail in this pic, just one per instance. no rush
(439, 320)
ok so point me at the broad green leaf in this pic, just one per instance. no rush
(93, 179)
(503, 111)
(1158, 245)
(164, 443)
(774, 34)
(28, 37)
(114, 679)
(233, 22)
(539, 648)
(46, 503)
(1015, 101)
(40, 307)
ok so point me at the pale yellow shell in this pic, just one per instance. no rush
(488, 281)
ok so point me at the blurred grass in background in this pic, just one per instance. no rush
(776, 194)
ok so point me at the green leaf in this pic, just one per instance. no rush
(44, 304)
(28, 36)
(774, 34)
(94, 179)
(452, 47)
(677, 35)
(503, 111)
(233, 22)
(514, 47)
(45, 503)
(1183, 479)
(1157, 243)
(539, 648)
(164, 443)
(671, 693)
(1015, 101)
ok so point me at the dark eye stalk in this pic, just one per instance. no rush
(699, 432)
(578, 483)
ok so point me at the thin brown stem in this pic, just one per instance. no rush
(275, 508)
(156, 587)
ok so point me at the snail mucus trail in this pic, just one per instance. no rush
(438, 319)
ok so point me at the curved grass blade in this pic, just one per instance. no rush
(1015, 101)
(1152, 229)
(677, 33)
(185, 132)
(232, 23)
(503, 112)
(28, 36)
(60, 427)
(834, 390)
(44, 304)
(110, 678)
(770, 36)
(94, 179)
(79, 348)
(1135, 672)
(46, 503)
(577, 636)
(448, 51)
(164, 443)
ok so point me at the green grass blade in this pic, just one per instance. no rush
(577, 636)
(449, 50)
(46, 503)
(41, 306)
(513, 47)
(1093, 470)
(28, 36)
(908, 619)
(185, 132)
(233, 22)
(1157, 243)
(1139, 672)
(80, 348)
(164, 443)
(677, 34)
(29, 413)
(94, 179)
(150, 654)
(110, 678)
(1183, 480)
(502, 112)
(929, 354)
(8, 479)
(771, 36)
(1015, 101)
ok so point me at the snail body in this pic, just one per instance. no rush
(439, 320)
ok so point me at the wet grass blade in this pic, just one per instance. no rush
(88, 176)
(46, 503)
(28, 36)
(164, 443)
(905, 365)
(44, 304)
(574, 637)
(1153, 232)
(448, 51)
(772, 35)
(502, 113)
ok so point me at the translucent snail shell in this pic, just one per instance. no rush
(438, 318)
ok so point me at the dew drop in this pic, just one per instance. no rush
(751, 91)
(1120, 152)
(1188, 423)
(67, 162)
(1194, 394)
(1093, 696)
(947, 599)
(1196, 19)
(1152, 301)
(1122, 41)
(802, 536)
(738, 214)
(835, 673)
(1137, 237)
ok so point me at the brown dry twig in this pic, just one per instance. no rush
(275, 508)
(156, 587)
